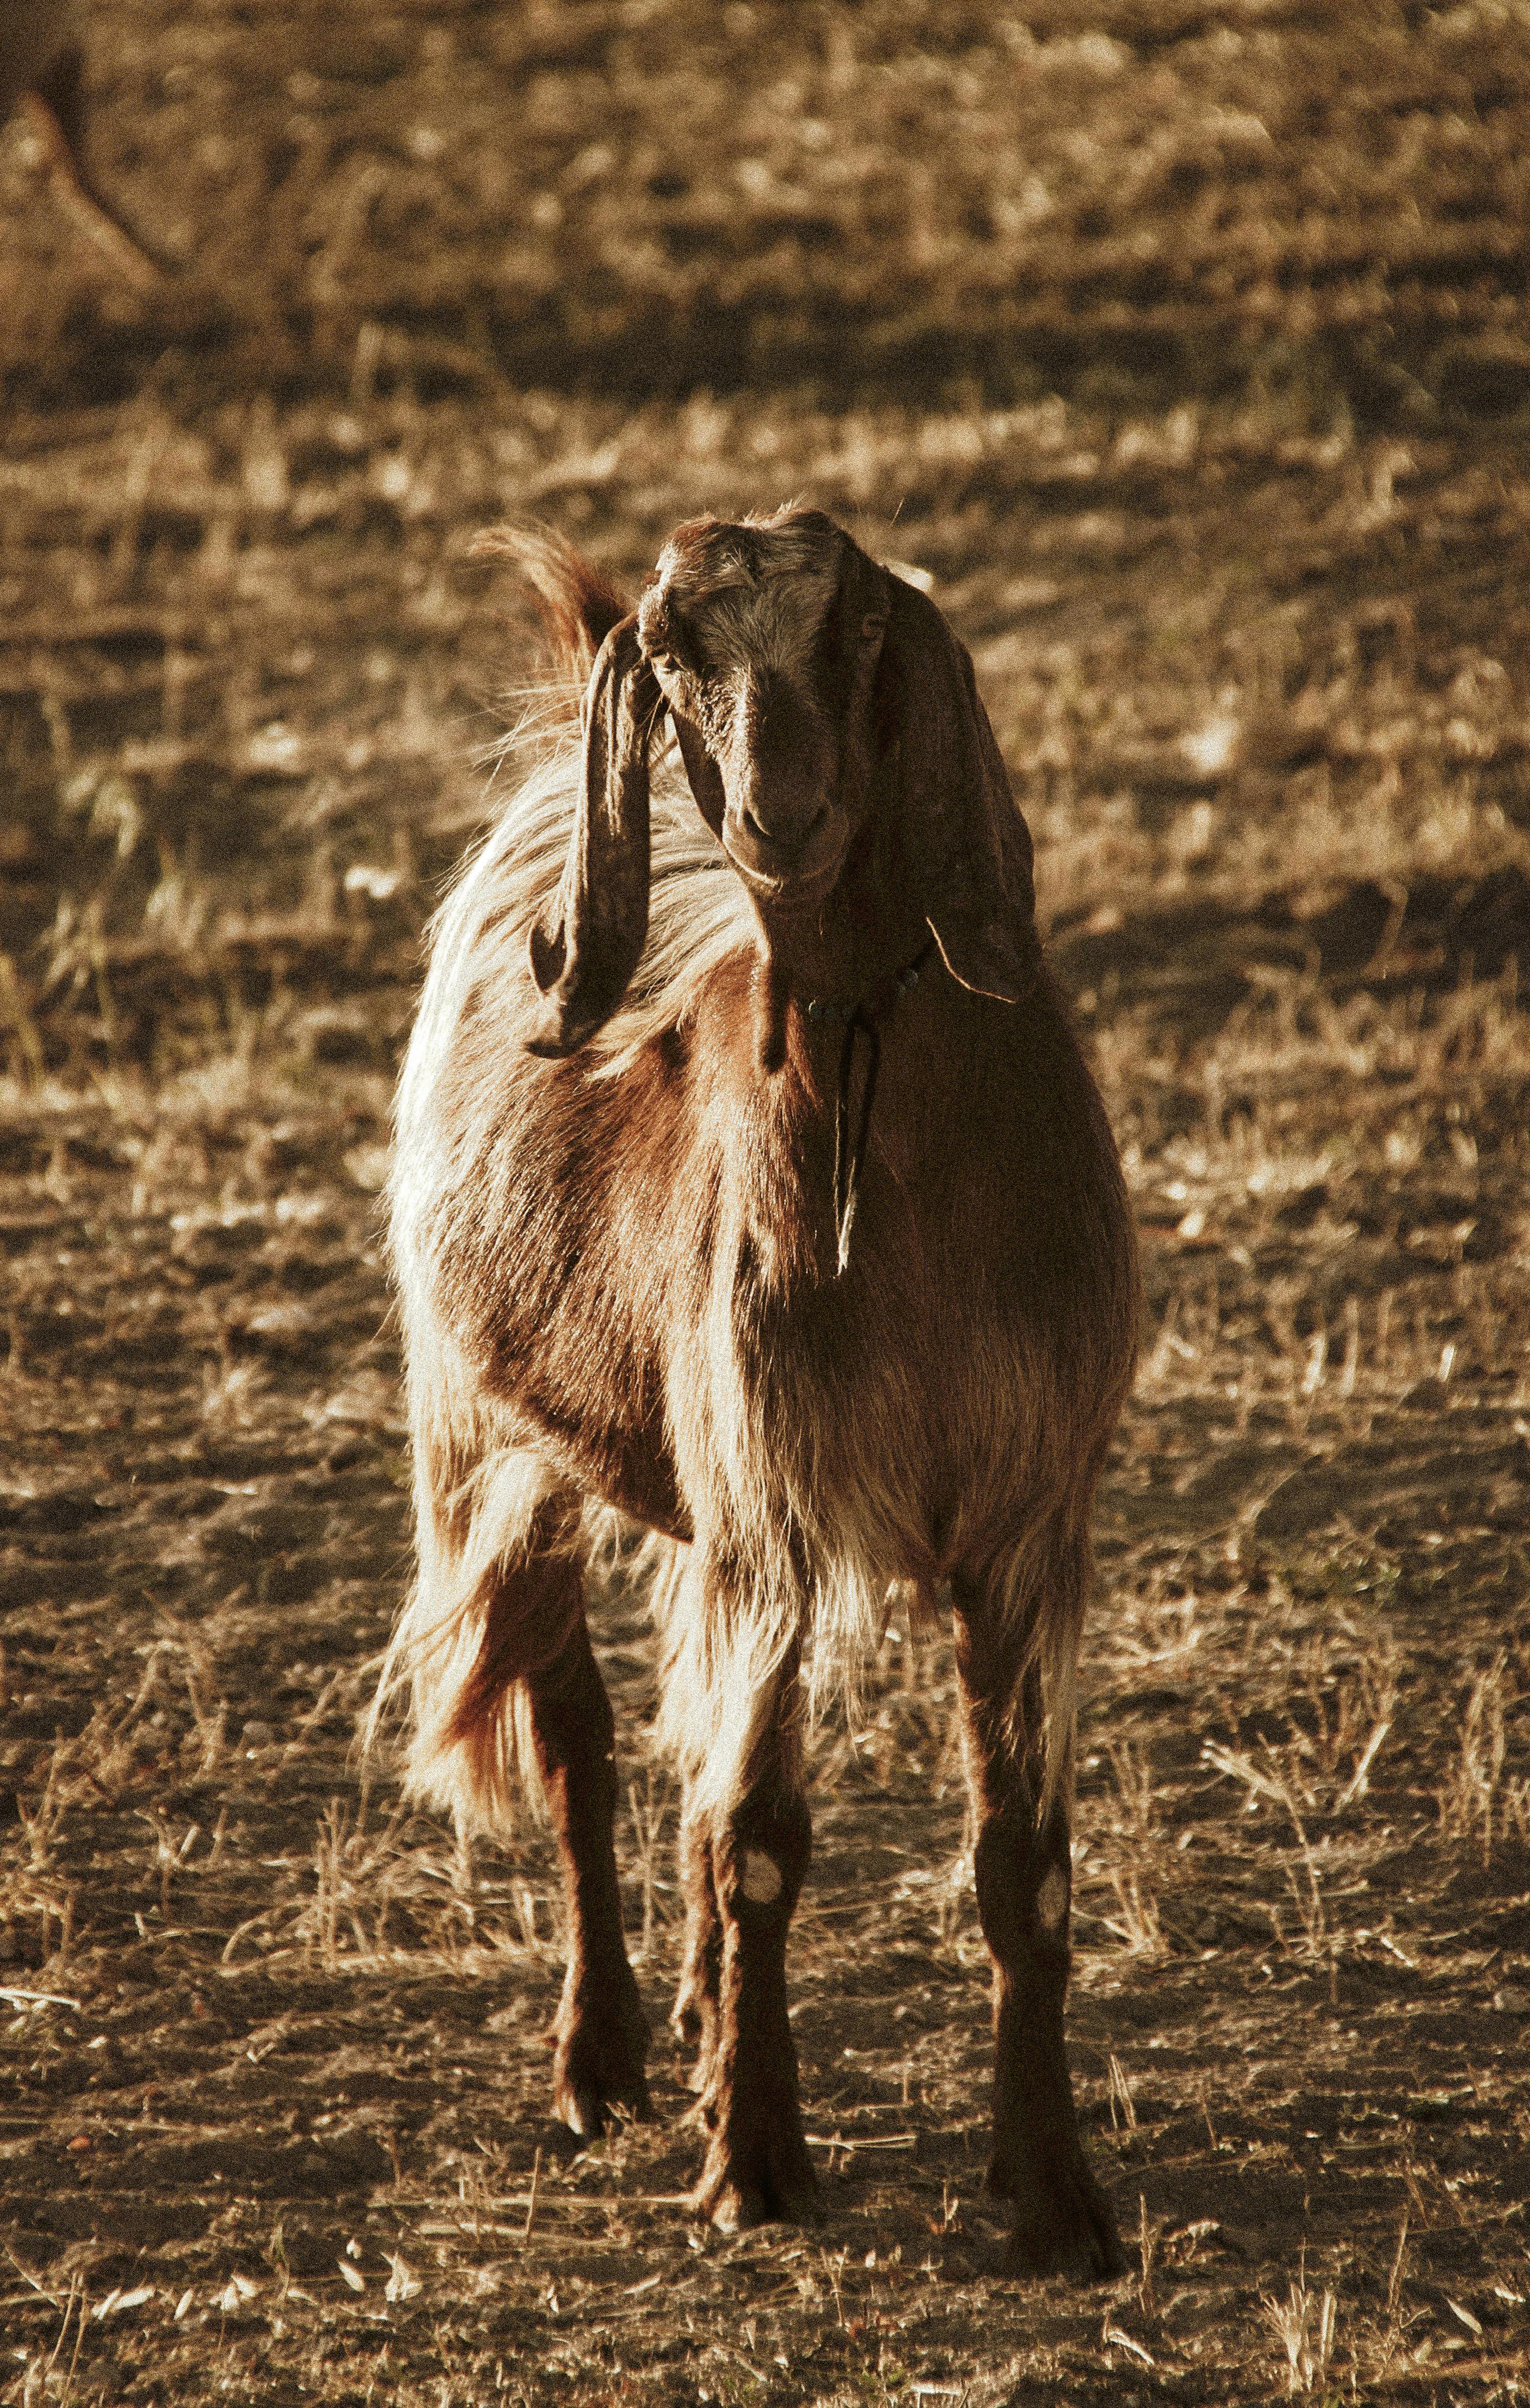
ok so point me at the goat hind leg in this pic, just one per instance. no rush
(1062, 2222)
(601, 2030)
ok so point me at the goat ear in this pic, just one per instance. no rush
(852, 645)
(964, 843)
(586, 944)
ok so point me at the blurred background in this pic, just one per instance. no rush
(1186, 346)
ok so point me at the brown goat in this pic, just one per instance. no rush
(655, 1253)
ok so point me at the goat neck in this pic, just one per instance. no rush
(845, 950)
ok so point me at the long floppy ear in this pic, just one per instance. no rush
(850, 649)
(960, 833)
(585, 946)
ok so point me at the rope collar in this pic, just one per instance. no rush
(862, 1019)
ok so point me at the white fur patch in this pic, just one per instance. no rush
(762, 1881)
(1051, 1899)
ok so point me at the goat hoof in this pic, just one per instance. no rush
(778, 2187)
(583, 2112)
(599, 2064)
(737, 2208)
(585, 2098)
(588, 2111)
(1063, 2224)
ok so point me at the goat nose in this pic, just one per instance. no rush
(783, 833)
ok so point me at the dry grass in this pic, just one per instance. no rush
(675, 196)
(1232, 506)
(1306, 2329)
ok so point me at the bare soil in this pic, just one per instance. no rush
(1183, 349)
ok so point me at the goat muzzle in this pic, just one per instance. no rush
(795, 855)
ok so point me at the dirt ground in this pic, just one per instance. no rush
(1184, 350)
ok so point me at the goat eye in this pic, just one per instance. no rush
(872, 630)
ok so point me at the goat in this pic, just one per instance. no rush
(42, 73)
(653, 1253)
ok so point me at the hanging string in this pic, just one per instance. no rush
(861, 1020)
(848, 1159)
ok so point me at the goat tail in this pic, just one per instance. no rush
(730, 1647)
(1058, 1662)
(1019, 1636)
(576, 605)
(500, 1591)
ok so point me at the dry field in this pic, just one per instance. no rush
(1185, 347)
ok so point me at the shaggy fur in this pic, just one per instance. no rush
(614, 1239)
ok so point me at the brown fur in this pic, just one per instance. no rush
(614, 1235)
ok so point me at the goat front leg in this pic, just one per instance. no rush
(601, 2030)
(745, 1868)
(1063, 2223)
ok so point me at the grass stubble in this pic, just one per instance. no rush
(275, 2123)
